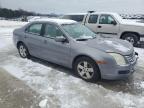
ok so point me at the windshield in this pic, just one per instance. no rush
(78, 31)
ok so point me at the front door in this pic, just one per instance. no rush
(58, 52)
(108, 26)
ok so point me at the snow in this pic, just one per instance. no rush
(43, 104)
(6, 29)
(141, 56)
(58, 21)
(34, 18)
(142, 84)
(3, 41)
(14, 71)
(128, 101)
(133, 23)
(117, 46)
(60, 88)
(6, 23)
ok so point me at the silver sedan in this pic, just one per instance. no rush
(68, 43)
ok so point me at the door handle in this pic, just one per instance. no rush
(25, 36)
(99, 26)
(45, 41)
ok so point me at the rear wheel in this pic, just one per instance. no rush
(87, 69)
(23, 51)
(131, 37)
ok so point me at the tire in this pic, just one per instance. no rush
(23, 51)
(81, 67)
(132, 38)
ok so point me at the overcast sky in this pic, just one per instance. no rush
(70, 6)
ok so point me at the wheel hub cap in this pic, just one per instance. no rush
(85, 70)
(22, 51)
(130, 39)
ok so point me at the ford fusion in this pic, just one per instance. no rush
(68, 43)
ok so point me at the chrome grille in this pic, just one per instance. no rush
(131, 58)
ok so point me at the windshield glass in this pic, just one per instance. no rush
(78, 31)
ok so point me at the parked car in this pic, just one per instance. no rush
(111, 25)
(79, 17)
(68, 43)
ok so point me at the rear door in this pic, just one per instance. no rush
(58, 52)
(34, 40)
(106, 26)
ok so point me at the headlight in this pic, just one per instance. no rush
(118, 58)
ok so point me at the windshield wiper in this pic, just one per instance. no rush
(82, 39)
(94, 37)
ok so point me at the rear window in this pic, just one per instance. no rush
(78, 18)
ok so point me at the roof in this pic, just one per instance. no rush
(54, 20)
(75, 14)
(112, 13)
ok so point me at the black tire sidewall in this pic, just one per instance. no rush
(96, 75)
(134, 36)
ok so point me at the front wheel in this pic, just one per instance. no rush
(23, 51)
(87, 69)
(131, 37)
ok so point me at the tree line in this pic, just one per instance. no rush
(9, 13)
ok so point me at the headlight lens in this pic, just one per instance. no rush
(118, 58)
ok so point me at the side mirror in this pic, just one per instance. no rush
(60, 39)
(114, 23)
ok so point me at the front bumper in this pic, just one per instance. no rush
(118, 72)
(142, 37)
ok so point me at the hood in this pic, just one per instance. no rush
(110, 45)
(131, 22)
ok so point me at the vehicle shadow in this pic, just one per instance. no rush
(124, 85)
(54, 66)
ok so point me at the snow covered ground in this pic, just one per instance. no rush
(60, 88)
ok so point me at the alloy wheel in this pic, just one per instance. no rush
(85, 70)
(22, 51)
(130, 39)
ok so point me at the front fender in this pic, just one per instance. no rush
(95, 54)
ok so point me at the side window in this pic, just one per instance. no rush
(110, 20)
(52, 31)
(106, 19)
(93, 19)
(35, 29)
